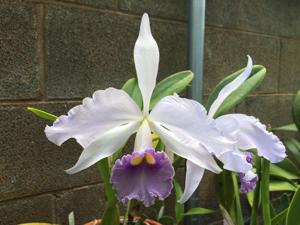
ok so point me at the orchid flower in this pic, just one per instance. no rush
(248, 133)
(102, 125)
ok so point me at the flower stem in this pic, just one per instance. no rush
(265, 195)
(127, 212)
(255, 205)
(238, 209)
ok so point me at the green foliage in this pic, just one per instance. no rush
(42, 114)
(288, 127)
(257, 75)
(172, 84)
(133, 90)
(175, 83)
(293, 215)
(293, 147)
(296, 110)
(179, 208)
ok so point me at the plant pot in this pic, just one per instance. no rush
(146, 222)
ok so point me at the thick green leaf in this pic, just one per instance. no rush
(199, 211)
(179, 208)
(279, 217)
(133, 90)
(293, 147)
(250, 197)
(296, 110)
(288, 127)
(281, 186)
(175, 83)
(277, 171)
(293, 215)
(257, 75)
(42, 114)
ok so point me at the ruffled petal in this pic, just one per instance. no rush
(104, 146)
(105, 110)
(186, 147)
(143, 181)
(230, 87)
(234, 160)
(185, 116)
(146, 58)
(248, 181)
(193, 178)
(253, 134)
(143, 139)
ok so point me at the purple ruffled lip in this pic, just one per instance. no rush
(143, 176)
(248, 181)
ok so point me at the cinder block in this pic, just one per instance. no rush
(26, 210)
(170, 9)
(18, 50)
(87, 203)
(273, 17)
(289, 79)
(30, 164)
(89, 50)
(226, 51)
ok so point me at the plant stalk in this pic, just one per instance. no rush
(238, 209)
(265, 195)
(256, 198)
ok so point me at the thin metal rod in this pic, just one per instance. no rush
(196, 58)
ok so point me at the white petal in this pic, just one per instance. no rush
(235, 161)
(186, 148)
(193, 177)
(143, 140)
(110, 142)
(146, 58)
(253, 134)
(189, 117)
(230, 87)
(106, 109)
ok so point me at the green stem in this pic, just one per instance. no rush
(265, 195)
(127, 212)
(238, 209)
(255, 206)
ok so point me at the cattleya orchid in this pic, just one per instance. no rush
(102, 125)
(248, 133)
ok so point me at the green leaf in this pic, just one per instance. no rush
(167, 220)
(175, 83)
(293, 147)
(258, 73)
(133, 90)
(281, 186)
(105, 174)
(296, 110)
(250, 197)
(111, 215)
(179, 208)
(293, 215)
(42, 114)
(225, 189)
(199, 211)
(288, 127)
(277, 171)
(279, 217)
(226, 216)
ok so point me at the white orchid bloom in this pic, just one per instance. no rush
(102, 124)
(246, 131)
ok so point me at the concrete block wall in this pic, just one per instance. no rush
(53, 53)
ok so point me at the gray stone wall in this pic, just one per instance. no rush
(55, 52)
